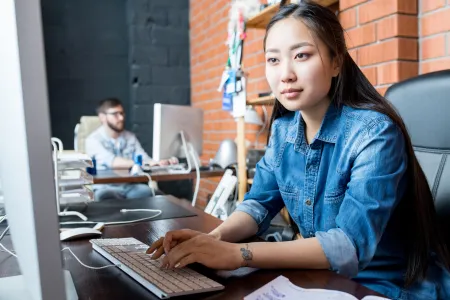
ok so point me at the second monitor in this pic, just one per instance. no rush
(168, 122)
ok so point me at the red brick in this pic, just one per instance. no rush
(377, 9)
(396, 48)
(382, 90)
(361, 36)
(354, 54)
(344, 4)
(433, 47)
(435, 65)
(397, 25)
(397, 71)
(371, 74)
(448, 43)
(348, 18)
(436, 22)
(429, 5)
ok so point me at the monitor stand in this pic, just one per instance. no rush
(186, 147)
(13, 288)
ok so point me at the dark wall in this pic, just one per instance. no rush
(86, 45)
(159, 60)
(136, 50)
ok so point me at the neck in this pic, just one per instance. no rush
(313, 118)
(111, 133)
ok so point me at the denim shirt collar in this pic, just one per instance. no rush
(328, 132)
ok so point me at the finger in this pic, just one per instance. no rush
(179, 252)
(173, 238)
(155, 245)
(168, 241)
(158, 253)
(187, 260)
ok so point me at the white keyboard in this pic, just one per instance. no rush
(130, 254)
(164, 168)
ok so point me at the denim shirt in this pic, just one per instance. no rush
(342, 188)
(105, 148)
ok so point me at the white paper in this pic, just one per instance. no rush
(282, 289)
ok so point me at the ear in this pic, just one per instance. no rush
(102, 117)
(336, 67)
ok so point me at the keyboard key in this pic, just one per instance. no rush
(131, 252)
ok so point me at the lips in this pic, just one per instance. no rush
(291, 93)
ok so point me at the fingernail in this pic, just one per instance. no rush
(178, 265)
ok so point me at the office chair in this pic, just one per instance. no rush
(83, 129)
(424, 104)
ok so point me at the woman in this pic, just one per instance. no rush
(341, 161)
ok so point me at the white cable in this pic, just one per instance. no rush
(149, 182)
(3, 233)
(197, 171)
(2, 218)
(86, 266)
(140, 209)
(6, 250)
(158, 212)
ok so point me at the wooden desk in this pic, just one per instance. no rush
(123, 176)
(113, 284)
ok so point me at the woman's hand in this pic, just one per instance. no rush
(171, 239)
(206, 250)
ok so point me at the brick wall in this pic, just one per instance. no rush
(382, 38)
(208, 24)
(391, 40)
(434, 35)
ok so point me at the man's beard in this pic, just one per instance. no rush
(114, 127)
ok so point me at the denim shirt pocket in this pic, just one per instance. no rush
(334, 196)
(332, 203)
(290, 195)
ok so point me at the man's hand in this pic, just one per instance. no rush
(170, 161)
(171, 239)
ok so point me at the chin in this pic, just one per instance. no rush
(293, 105)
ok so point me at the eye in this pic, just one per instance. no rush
(272, 60)
(301, 56)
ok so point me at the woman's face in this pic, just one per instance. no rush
(298, 68)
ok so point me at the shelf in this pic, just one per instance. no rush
(267, 100)
(261, 20)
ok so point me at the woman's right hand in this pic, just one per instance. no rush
(170, 240)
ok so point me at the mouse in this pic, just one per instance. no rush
(77, 233)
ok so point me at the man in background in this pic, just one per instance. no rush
(115, 148)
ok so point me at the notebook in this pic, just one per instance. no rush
(282, 288)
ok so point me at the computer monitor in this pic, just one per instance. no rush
(26, 156)
(168, 122)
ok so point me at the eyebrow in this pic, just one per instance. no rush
(293, 47)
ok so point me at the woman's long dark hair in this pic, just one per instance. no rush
(417, 216)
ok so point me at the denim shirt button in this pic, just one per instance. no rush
(308, 202)
(311, 234)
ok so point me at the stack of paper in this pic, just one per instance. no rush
(282, 289)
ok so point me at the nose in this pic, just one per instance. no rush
(287, 73)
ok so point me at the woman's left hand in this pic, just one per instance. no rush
(206, 250)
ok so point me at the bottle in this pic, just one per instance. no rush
(92, 170)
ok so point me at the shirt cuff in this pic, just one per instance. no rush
(340, 252)
(258, 212)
